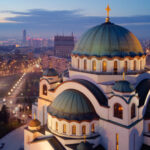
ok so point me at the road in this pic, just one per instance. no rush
(14, 140)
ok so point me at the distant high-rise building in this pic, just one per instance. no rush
(24, 39)
(63, 45)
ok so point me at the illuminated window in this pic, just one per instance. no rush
(133, 111)
(78, 63)
(117, 141)
(64, 128)
(56, 126)
(74, 130)
(104, 64)
(44, 89)
(118, 111)
(85, 65)
(125, 66)
(141, 65)
(83, 130)
(115, 66)
(93, 65)
(149, 127)
(93, 128)
(134, 66)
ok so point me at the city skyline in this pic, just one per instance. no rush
(49, 18)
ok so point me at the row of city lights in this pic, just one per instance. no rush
(18, 82)
(17, 108)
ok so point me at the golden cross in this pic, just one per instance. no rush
(108, 10)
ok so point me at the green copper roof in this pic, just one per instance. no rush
(50, 72)
(84, 146)
(123, 86)
(72, 105)
(109, 40)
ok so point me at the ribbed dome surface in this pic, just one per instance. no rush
(50, 72)
(109, 40)
(123, 86)
(72, 105)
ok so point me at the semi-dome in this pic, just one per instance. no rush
(34, 123)
(123, 86)
(50, 72)
(72, 105)
(108, 40)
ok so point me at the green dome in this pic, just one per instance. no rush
(72, 105)
(50, 72)
(109, 40)
(123, 86)
(84, 146)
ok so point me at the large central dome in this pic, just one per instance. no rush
(109, 40)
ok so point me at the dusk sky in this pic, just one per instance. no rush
(46, 18)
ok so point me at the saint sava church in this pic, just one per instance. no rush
(101, 103)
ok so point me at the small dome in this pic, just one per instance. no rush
(34, 123)
(50, 72)
(84, 146)
(72, 105)
(108, 40)
(123, 86)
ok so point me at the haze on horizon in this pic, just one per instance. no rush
(45, 18)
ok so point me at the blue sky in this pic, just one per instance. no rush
(48, 17)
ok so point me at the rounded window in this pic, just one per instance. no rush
(133, 111)
(44, 89)
(118, 111)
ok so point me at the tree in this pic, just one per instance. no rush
(4, 114)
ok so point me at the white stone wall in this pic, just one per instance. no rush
(140, 63)
(109, 130)
(127, 120)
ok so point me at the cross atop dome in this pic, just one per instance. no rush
(108, 10)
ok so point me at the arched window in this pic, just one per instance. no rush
(141, 65)
(104, 66)
(44, 89)
(125, 66)
(85, 65)
(78, 64)
(93, 65)
(74, 130)
(56, 126)
(93, 128)
(118, 111)
(133, 111)
(83, 130)
(115, 66)
(64, 128)
(134, 65)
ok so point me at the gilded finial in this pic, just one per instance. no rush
(84, 138)
(34, 116)
(108, 10)
(123, 75)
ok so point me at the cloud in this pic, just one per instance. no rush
(39, 22)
